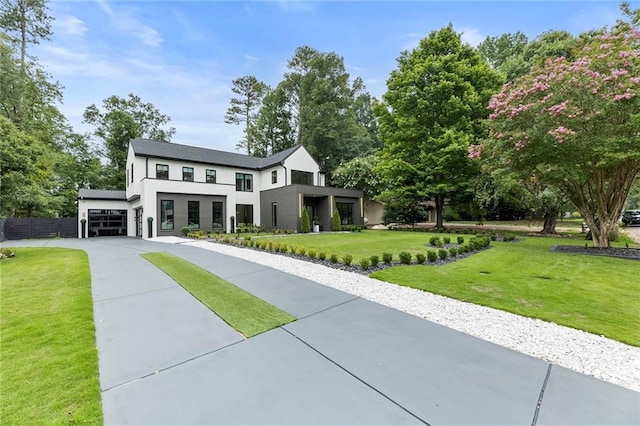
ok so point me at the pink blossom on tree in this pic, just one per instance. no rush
(575, 125)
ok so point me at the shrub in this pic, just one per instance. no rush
(364, 263)
(387, 257)
(434, 240)
(447, 240)
(6, 253)
(453, 251)
(421, 258)
(302, 251)
(333, 258)
(312, 254)
(185, 230)
(494, 237)
(293, 249)
(306, 223)
(442, 254)
(276, 248)
(432, 256)
(347, 259)
(336, 221)
(508, 237)
(322, 255)
(270, 245)
(374, 260)
(460, 240)
(283, 248)
(405, 257)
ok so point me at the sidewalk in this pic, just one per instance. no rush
(165, 359)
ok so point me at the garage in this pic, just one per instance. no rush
(107, 223)
(102, 213)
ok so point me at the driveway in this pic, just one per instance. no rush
(165, 359)
(633, 232)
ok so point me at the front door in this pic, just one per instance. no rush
(139, 222)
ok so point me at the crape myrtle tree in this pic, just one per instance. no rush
(575, 125)
(434, 107)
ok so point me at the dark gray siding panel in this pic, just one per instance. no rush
(180, 217)
(287, 200)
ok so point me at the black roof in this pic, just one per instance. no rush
(101, 194)
(173, 151)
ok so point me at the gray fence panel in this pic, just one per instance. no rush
(3, 225)
(68, 227)
(33, 227)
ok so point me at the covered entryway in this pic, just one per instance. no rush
(107, 223)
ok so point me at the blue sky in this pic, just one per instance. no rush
(182, 55)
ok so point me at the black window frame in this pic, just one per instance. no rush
(162, 174)
(193, 207)
(187, 173)
(274, 176)
(208, 174)
(274, 214)
(244, 182)
(217, 224)
(346, 212)
(164, 215)
(241, 216)
(299, 177)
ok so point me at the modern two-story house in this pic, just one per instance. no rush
(170, 186)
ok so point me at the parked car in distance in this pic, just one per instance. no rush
(631, 217)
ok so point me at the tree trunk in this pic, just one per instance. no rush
(550, 220)
(439, 211)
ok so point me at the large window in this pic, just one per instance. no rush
(274, 176)
(244, 182)
(244, 213)
(211, 176)
(193, 214)
(218, 218)
(166, 215)
(162, 171)
(302, 178)
(346, 213)
(131, 172)
(187, 174)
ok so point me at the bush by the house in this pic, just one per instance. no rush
(374, 260)
(405, 257)
(333, 258)
(347, 259)
(387, 257)
(305, 226)
(322, 255)
(336, 221)
(6, 253)
(185, 230)
(453, 251)
(364, 263)
(421, 258)
(432, 256)
(442, 254)
(434, 240)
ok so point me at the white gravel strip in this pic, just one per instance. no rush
(577, 350)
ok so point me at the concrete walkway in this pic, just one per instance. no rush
(166, 359)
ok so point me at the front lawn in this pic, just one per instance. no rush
(595, 294)
(48, 351)
(245, 312)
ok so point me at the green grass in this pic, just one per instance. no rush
(246, 313)
(596, 294)
(48, 351)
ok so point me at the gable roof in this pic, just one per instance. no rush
(174, 151)
(101, 194)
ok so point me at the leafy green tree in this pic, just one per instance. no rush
(120, 121)
(360, 173)
(272, 130)
(27, 22)
(574, 125)
(245, 106)
(434, 107)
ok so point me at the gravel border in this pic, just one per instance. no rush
(577, 350)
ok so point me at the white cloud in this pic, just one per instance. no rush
(150, 37)
(251, 58)
(471, 36)
(70, 25)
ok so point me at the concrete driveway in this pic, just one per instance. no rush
(633, 232)
(165, 359)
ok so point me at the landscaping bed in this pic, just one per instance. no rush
(619, 252)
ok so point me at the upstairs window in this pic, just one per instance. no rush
(301, 178)
(211, 176)
(162, 171)
(131, 172)
(187, 174)
(274, 176)
(244, 182)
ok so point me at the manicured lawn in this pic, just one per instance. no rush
(596, 294)
(246, 313)
(49, 357)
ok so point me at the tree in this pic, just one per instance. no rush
(244, 108)
(27, 22)
(575, 125)
(336, 222)
(305, 225)
(272, 130)
(433, 109)
(120, 121)
(360, 173)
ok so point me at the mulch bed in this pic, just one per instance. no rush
(620, 252)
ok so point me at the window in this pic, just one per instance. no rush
(187, 174)
(346, 213)
(211, 176)
(244, 214)
(162, 171)
(274, 214)
(244, 182)
(301, 178)
(218, 219)
(274, 176)
(131, 172)
(193, 214)
(166, 215)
